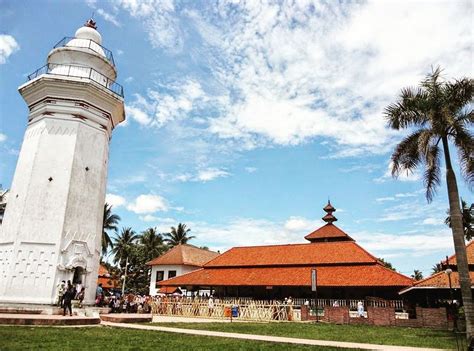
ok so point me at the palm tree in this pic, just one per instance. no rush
(439, 111)
(467, 219)
(417, 275)
(438, 267)
(110, 222)
(178, 235)
(152, 243)
(123, 245)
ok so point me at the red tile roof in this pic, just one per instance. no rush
(328, 276)
(184, 254)
(105, 278)
(328, 231)
(169, 290)
(344, 252)
(103, 270)
(470, 255)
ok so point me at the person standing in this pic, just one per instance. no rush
(78, 289)
(360, 309)
(61, 291)
(68, 296)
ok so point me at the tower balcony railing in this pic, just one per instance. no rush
(86, 44)
(79, 72)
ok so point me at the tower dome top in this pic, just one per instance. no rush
(89, 31)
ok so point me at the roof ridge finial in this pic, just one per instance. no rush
(91, 23)
(329, 209)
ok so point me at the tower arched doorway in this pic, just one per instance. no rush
(78, 275)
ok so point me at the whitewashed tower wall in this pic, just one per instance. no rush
(53, 220)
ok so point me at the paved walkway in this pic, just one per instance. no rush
(270, 338)
(178, 319)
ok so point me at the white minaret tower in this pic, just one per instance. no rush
(52, 226)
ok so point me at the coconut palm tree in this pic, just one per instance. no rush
(123, 245)
(417, 275)
(152, 243)
(178, 235)
(467, 219)
(110, 222)
(438, 267)
(437, 112)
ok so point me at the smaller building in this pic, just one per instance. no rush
(442, 286)
(106, 279)
(181, 259)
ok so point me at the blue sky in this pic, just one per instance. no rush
(243, 118)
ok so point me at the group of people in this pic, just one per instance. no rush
(68, 292)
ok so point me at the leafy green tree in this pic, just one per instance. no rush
(123, 245)
(439, 111)
(178, 235)
(152, 243)
(417, 275)
(467, 219)
(110, 222)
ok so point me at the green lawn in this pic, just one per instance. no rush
(421, 337)
(107, 338)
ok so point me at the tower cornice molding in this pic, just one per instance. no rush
(75, 89)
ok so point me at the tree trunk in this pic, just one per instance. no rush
(459, 243)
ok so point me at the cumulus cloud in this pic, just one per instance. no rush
(148, 203)
(164, 106)
(8, 46)
(115, 200)
(287, 73)
(3, 137)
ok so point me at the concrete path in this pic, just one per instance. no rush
(279, 339)
(178, 319)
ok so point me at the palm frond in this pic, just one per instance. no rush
(410, 110)
(432, 174)
(458, 94)
(406, 156)
(464, 141)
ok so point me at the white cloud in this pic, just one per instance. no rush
(209, 174)
(287, 73)
(202, 175)
(423, 243)
(148, 203)
(160, 21)
(299, 224)
(404, 176)
(8, 46)
(129, 79)
(137, 114)
(3, 137)
(108, 17)
(115, 200)
(433, 221)
(250, 169)
(384, 199)
(413, 210)
(161, 107)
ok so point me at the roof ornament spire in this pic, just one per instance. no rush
(329, 217)
(91, 23)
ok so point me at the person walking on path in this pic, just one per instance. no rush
(68, 296)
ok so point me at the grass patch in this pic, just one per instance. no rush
(108, 338)
(420, 337)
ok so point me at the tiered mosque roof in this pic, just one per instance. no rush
(339, 260)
